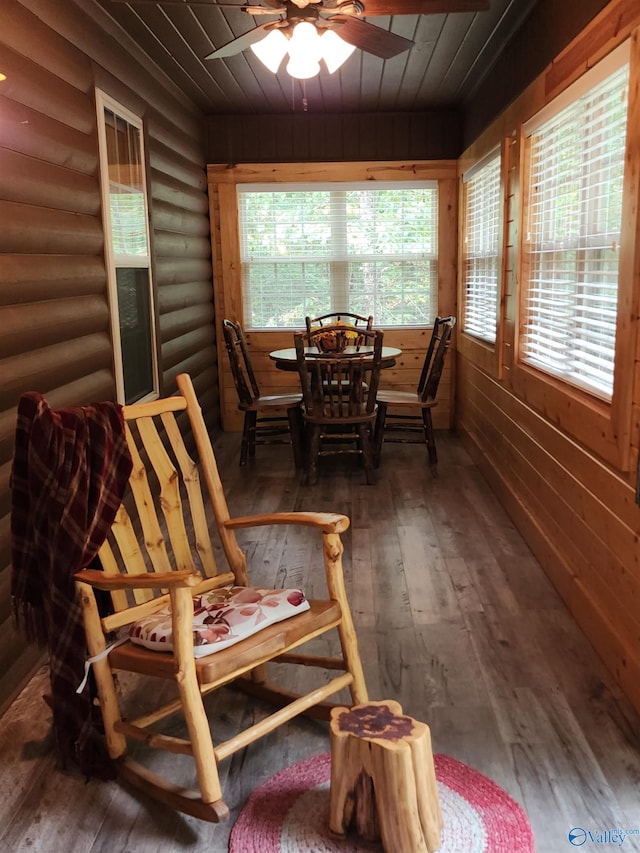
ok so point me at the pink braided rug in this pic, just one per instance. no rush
(290, 814)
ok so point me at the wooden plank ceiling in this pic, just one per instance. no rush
(451, 55)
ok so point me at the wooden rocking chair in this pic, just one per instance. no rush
(160, 555)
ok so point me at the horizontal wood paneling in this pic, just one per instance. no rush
(54, 308)
(563, 465)
(68, 276)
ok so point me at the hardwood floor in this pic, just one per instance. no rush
(456, 621)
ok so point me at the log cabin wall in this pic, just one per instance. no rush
(228, 288)
(54, 310)
(563, 464)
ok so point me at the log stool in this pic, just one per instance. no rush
(383, 782)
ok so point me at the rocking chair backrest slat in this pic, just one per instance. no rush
(145, 506)
(163, 524)
(193, 486)
(170, 501)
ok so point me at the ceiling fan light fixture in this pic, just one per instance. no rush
(335, 51)
(305, 51)
(271, 50)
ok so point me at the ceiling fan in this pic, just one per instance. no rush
(310, 30)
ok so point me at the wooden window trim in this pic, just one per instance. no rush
(486, 354)
(227, 285)
(603, 427)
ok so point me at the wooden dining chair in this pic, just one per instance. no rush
(339, 401)
(262, 424)
(184, 620)
(345, 319)
(410, 418)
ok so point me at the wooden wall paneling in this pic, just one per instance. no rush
(31, 37)
(550, 26)
(573, 502)
(177, 271)
(52, 366)
(300, 137)
(31, 85)
(598, 625)
(163, 159)
(29, 181)
(169, 190)
(183, 322)
(595, 536)
(33, 278)
(345, 171)
(28, 229)
(186, 139)
(30, 132)
(177, 296)
(174, 244)
(52, 273)
(178, 350)
(112, 50)
(170, 217)
(601, 483)
(50, 322)
(614, 23)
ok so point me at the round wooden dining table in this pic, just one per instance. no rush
(285, 359)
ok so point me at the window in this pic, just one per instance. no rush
(572, 232)
(127, 250)
(310, 249)
(481, 248)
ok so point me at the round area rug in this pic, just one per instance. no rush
(290, 814)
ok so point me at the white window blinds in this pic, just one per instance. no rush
(572, 239)
(481, 249)
(310, 249)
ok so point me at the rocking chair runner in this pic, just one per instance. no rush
(160, 546)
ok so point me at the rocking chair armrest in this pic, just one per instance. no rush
(146, 580)
(327, 522)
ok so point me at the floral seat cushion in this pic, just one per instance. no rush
(221, 618)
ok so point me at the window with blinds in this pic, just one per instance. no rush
(572, 235)
(310, 249)
(481, 249)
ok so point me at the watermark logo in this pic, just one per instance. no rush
(578, 836)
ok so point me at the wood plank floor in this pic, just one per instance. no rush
(456, 621)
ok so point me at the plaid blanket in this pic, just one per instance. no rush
(69, 472)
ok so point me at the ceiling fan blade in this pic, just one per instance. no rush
(262, 10)
(422, 7)
(239, 44)
(370, 38)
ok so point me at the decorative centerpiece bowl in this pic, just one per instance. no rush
(331, 342)
(336, 340)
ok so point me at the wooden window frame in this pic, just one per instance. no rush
(112, 262)
(222, 182)
(602, 426)
(488, 355)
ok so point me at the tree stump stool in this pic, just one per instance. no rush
(383, 782)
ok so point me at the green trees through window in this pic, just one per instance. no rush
(310, 250)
